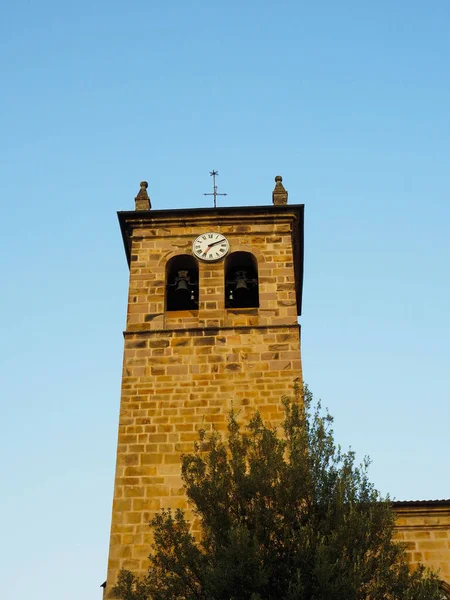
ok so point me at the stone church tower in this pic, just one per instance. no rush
(214, 297)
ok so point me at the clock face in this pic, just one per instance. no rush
(211, 246)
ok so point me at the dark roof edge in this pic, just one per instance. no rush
(419, 503)
(205, 210)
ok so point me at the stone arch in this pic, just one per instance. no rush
(257, 253)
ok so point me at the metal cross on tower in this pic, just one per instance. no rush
(215, 193)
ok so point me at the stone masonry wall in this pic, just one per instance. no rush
(425, 528)
(185, 370)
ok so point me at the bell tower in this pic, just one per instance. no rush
(214, 296)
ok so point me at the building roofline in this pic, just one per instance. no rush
(420, 503)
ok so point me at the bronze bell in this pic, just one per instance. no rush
(242, 290)
(241, 280)
(182, 286)
(182, 282)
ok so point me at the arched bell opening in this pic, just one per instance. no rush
(241, 281)
(182, 283)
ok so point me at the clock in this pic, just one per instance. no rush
(210, 246)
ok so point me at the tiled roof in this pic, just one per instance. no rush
(402, 503)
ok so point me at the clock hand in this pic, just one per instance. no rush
(214, 243)
(208, 248)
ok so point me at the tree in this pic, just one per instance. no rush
(286, 516)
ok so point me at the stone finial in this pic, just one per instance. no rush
(279, 194)
(142, 200)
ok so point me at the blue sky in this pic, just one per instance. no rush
(347, 101)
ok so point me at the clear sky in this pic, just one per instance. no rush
(348, 101)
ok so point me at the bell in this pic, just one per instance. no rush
(241, 284)
(182, 281)
(182, 286)
(241, 281)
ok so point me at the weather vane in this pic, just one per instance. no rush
(215, 193)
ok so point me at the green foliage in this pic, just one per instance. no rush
(282, 517)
